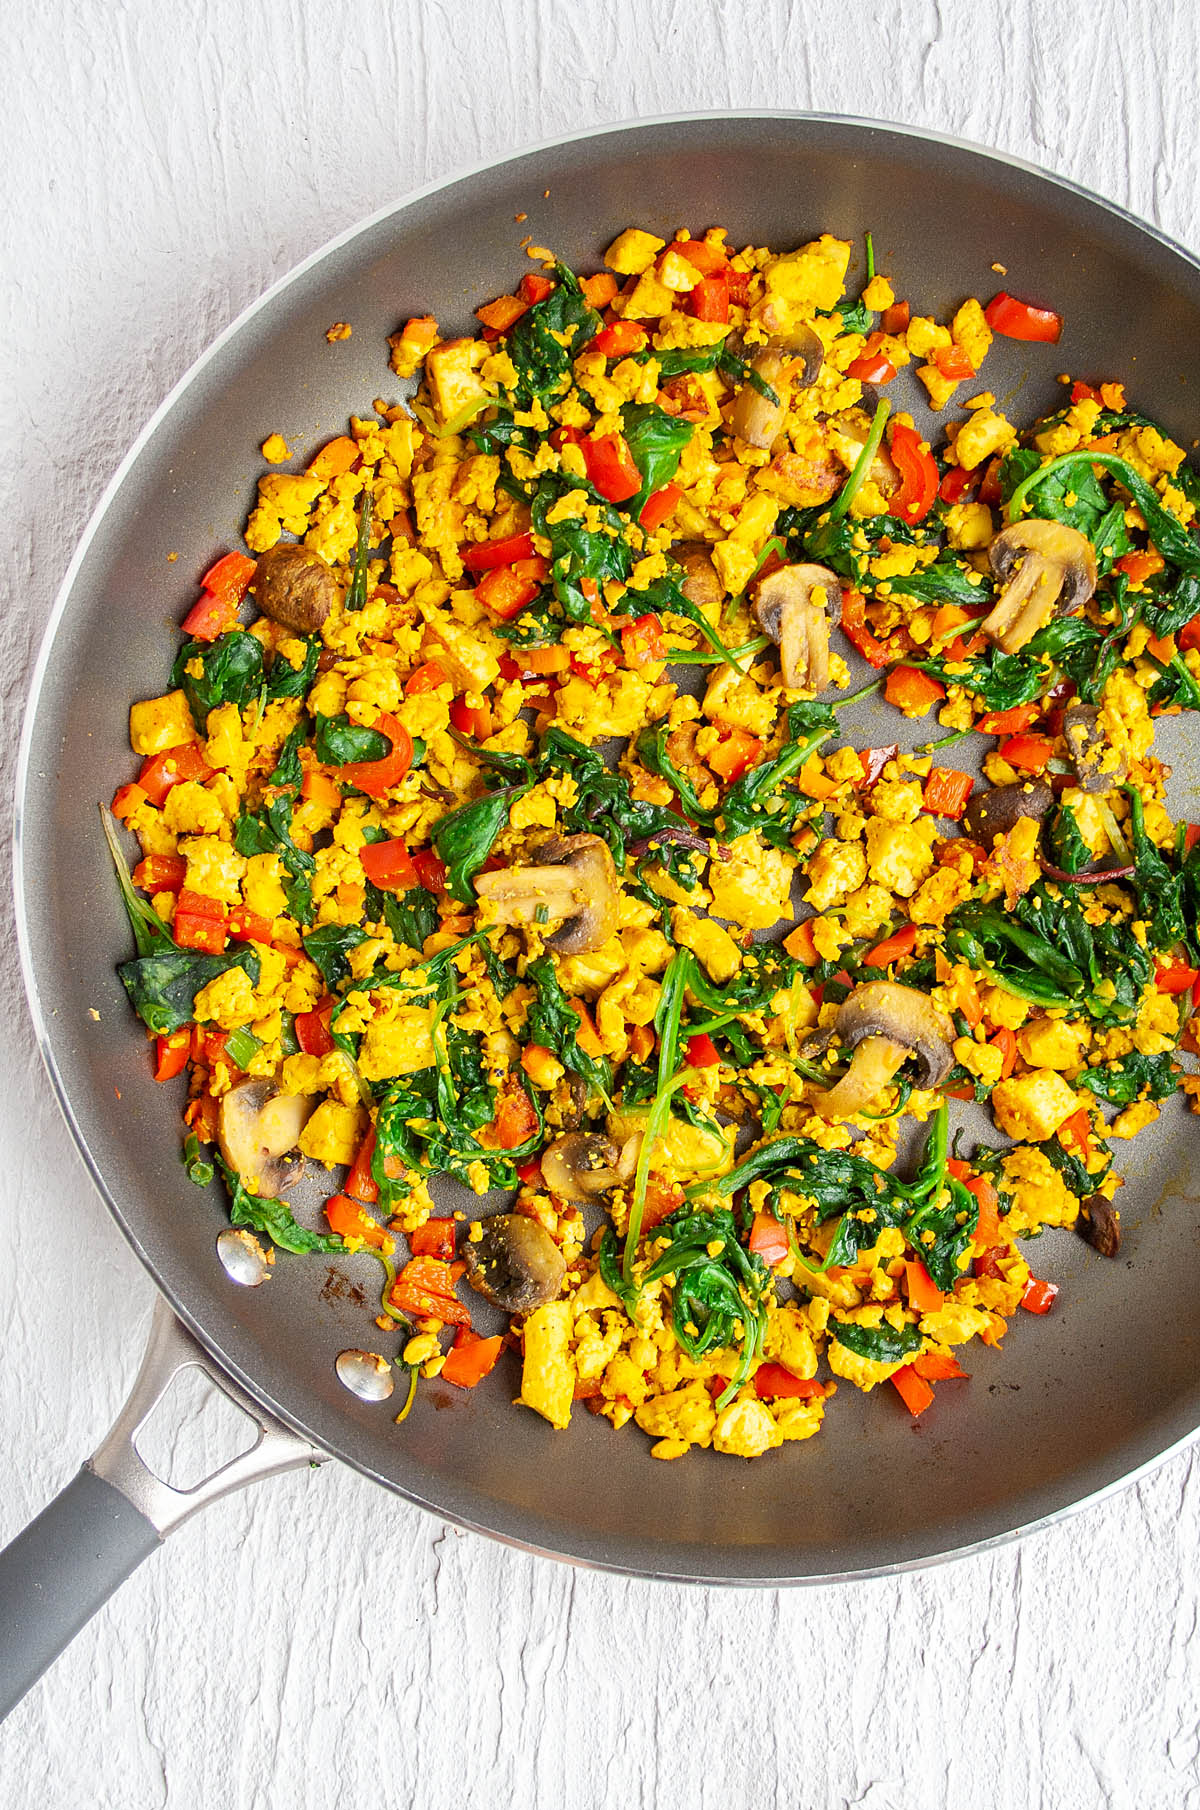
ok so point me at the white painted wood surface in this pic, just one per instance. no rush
(317, 1642)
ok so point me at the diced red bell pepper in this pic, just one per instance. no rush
(171, 1054)
(1191, 835)
(735, 754)
(1076, 1133)
(516, 1120)
(470, 1359)
(314, 1036)
(946, 792)
(701, 254)
(501, 315)
(1138, 567)
(359, 1182)
(953, 363)
(209, 617)
(430, 675)
(1188, 637)
(472, 720)
(530, 1173)
(956, 484)
(912, 1389)
(611, 467)
(162, 771)
(739, 286)
(701, 1051)
(1086, 392)
(918, 473)
(200, 922)
(160, 873)
(1014, 319)
(913, 691)
(506, 590)
(436, 1238)
(1029, 753)
(246, 926)
(534, 287)
(642, 641)
(388, 865)
(1005, 1041)
(1175, 977)
(658, 506)
(923, 1292)
(618, 340)
(873, 761)
(376, 777)
(126, 801)
(598, 291)
(1039, 1297)
(871, 367)
(425, 1287)
(895, 319)
(854, 627)
(773, 1383)
(230, 576)
(350, 1219)
(709, 300)
(892, 947)
(1008, 722)
(937, 1367)
(431, 870)
(768, 1239)
(484, 555)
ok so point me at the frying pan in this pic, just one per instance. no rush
(1092, 1395)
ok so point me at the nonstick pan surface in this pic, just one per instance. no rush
(1077, 1401)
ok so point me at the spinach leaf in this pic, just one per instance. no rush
(1110, 538)
(651, 748)
(883, 1344)
(273, 1218)
(1078, 1178)
(766, 970)
(411, 916)
(464, 839)
(231, 673)
(269, 832)
(604, 804)
(716, 1299)
(1072, 472)
(1071, 852)
(162, 987)
(941, 1231)
(1176, 687)
(536, 343)
(1132, 1077)
(340, 743)
(656, 441)
(1159, 891)
(497, 435)
(199, 1170)
(1168, 606)
(945, 582)
(597, 552)
(287, 681)
(356, 593)
(328, 946)
(554, 1023)
(753, 803)
(288, 771)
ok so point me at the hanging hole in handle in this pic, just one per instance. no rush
(192, 1431)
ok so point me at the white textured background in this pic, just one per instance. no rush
(316, 1642)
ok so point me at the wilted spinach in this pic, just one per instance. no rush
(536, 343)
(231, 672)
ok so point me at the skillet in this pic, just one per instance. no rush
(1078, 1402)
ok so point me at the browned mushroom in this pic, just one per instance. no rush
(884, 1024)
(997, 812)
(797, 606)
(1100, 1224)
(584, 1165)
(1046, 569)
(575, 881)
(701, 585)
(294, 587)
(514, 1263)
(789, 360)
(257, 1129)
(1098, 765)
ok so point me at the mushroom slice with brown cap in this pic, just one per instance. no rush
(797, 606)
(1047, 570)
(514, 1263)
(583, 1165)
(574, 881)
(787, 361)
(294, 587)
(1098, 765)
(257, 1128)
(884, 1023)
(997, 811)
(701, 584)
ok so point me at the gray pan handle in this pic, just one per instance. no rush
(116, 1512)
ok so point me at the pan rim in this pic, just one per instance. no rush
(22, 777)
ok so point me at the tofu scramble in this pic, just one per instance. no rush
(506, 820)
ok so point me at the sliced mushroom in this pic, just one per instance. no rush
(884, 1023)
(575, 881)
(583, 1165)
(1100, 1224)
(852, 430)
(1098, 765)
(997, 812)
(294, 587)
(789, 360)
(515, 1264)
(1047, 570)
(797, 606)
(701, 585)
(256, 1130)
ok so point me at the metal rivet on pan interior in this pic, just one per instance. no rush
(243, 1258)
(365, 1374)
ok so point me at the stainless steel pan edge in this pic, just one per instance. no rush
(522, 1524)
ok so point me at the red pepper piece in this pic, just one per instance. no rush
(611, 467)
(162, 771)
(388, 865)
(1014, 319)
(376, 777)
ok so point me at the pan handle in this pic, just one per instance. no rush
(67, 1563)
